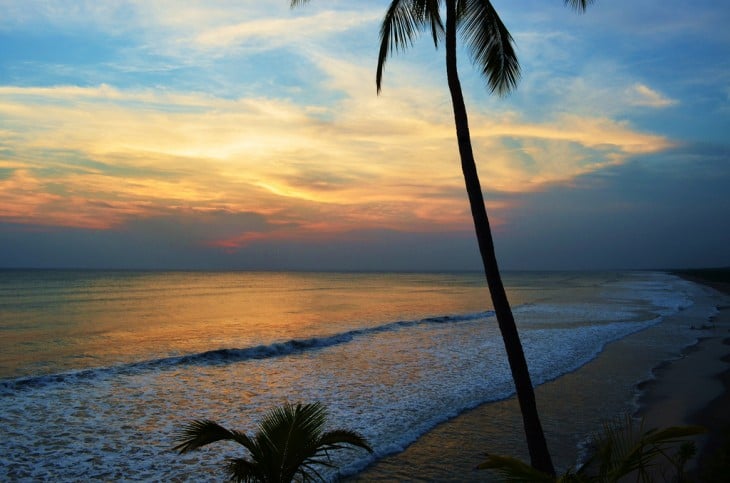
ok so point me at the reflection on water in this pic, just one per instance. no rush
(58, 320)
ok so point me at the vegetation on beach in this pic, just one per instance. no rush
(621, 449)
(290, 443)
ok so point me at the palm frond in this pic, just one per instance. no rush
(652, 448)
(310, 416)
(403, 22)
(579, 5)
(244, 470)
(290, 442)
(619, 449)
(296, 3)
(490, 44)
(623, 447)
(200, 432)
(429, 11)
(397, 32)
(292, 428)
(308, 471)
(340, 438)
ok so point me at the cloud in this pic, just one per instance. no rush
(197, 227)
(600, 87)
(643, 95)
(272, 32)
(98, 157)
(102, 156)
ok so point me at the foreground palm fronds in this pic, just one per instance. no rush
(621, 449)
(290, 443)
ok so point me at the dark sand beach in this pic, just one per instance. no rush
(696, 388)
(688, 388)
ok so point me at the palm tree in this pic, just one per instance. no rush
(490, 43)
(290, 443)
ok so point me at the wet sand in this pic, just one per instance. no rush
(696, 388)
(685, 389)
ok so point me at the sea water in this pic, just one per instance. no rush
(100, 369)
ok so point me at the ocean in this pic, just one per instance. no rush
(99, 369)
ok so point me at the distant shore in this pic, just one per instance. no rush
(700, 381)
(717, 278)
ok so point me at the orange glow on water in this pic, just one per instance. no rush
(132, 315)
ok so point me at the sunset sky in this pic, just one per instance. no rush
(247, 135)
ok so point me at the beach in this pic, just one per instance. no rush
(695, 389)
(690, 387)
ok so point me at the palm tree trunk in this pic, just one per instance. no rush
(537, 446)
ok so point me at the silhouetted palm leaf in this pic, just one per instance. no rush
(403, 22)
(242, 469)
(290, 442)
(490, 43)
(624, 447)
(201, 432)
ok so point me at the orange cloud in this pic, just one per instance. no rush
(97, 157)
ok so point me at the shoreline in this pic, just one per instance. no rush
(695, 388)
(571, 407)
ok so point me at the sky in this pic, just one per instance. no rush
(249, 135)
